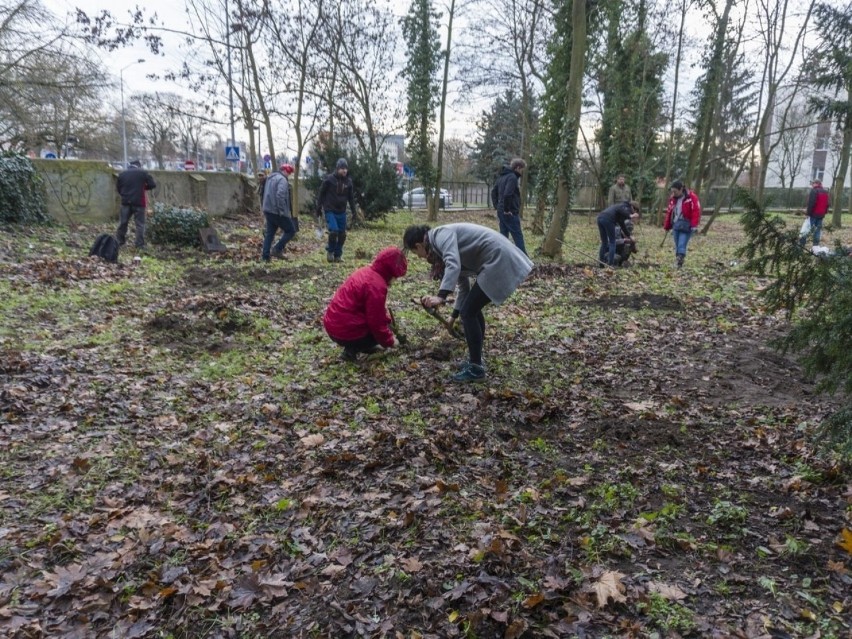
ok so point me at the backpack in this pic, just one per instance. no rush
(106, 248)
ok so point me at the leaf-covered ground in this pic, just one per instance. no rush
(183, 454)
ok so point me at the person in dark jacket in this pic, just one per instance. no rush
(131, 186)
(818, 204)
(335, 192)
(506, 196)
(277, 204)
(682, 217)
(607, 220)
(357, 317)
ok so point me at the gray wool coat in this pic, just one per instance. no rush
(470, 250)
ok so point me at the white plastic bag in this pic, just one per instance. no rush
(806, 227)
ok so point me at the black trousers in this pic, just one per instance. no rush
(474, 322)
(138, 215)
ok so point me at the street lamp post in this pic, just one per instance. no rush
(123, 121)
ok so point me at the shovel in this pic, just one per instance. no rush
(397, 330)
(451, 328)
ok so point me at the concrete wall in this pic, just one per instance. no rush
(85, 190)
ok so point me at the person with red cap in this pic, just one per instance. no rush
(357, 317)
(277, 205)
(818, 205)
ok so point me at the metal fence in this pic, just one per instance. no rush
(476, 195)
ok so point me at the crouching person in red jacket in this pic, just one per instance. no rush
(356, 317)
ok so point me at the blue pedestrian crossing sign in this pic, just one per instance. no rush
(232, 153)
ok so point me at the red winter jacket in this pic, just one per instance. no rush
(358, 307)
(818, 202)
(691, 210)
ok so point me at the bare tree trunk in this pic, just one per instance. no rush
(710, 100)
(836, 215)
(433, 204)
(658, 215)
(552, 246)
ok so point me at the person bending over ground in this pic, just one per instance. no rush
(457, 253)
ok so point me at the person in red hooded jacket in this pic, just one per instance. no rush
(818, 205)
(356, 317)
(682, 218)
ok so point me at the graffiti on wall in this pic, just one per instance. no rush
(73, 188)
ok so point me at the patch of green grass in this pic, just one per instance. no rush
(667, 615)
(610, 496)
(727, 514)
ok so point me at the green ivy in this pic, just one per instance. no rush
(21, 193)
(176, 225)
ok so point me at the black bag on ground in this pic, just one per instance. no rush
(106, 248)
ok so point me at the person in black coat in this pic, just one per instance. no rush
(335, 192)
(607, 220)
(131, 186)
(506, 196)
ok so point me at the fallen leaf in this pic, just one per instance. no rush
(533, 600)
(312, 441)
(411, 564)
(515, 629)
(846, 540)
(609, 586)
(640, 406)
(667, 591)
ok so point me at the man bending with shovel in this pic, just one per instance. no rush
(458, 252)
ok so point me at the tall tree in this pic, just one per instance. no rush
(831, 71)
(498, 137)
(631, 81)
(52, 91)
(294, 35)
(507, 52)
(795, 131)
(357, 49)
(156, 115)
(563, 161)
(709, 95)
(442, 104)
(420, 31)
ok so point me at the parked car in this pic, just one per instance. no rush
(416, 199)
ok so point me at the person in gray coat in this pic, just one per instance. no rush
(277, 204)
(458, 252)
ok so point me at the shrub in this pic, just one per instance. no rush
(21, 194)
(176, 225)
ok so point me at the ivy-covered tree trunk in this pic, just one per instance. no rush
(708, 103)
(564, 162)
(420, 31)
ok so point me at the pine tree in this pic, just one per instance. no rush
(816, 294)
(499, 135)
